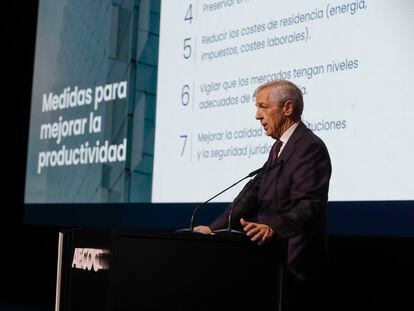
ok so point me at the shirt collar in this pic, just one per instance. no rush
(286, 135)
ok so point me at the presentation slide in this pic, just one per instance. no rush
(93, 103)
(353, 61)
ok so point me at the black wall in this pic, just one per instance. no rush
(367, 273)
(28, 254)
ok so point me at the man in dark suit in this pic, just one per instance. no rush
(289, 201)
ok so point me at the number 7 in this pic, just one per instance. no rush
(184, 143)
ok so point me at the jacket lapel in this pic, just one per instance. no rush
(284, 156)
(291, 144)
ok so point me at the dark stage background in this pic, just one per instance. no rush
(367, 273)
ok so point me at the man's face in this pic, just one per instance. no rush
(268, 112)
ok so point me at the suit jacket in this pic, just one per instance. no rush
(292, 200)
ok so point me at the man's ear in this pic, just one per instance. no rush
(288, 108)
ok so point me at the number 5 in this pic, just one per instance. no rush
(187, 48)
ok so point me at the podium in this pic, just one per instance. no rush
(158, 270)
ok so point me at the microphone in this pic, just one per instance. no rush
(192, 221)
(251, 174)
(261, 170)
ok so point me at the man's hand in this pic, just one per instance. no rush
(203, 229)
(259, 233)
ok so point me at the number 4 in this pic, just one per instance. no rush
(189, 15)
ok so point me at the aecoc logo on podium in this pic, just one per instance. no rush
(90, 258)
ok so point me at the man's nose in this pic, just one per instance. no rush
(258, 115)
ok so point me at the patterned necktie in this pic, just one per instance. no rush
(275, 150)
